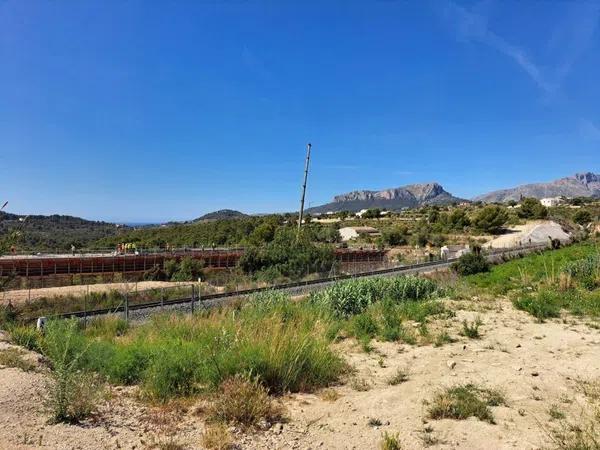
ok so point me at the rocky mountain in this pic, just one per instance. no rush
(410, 196)
(579, 185)
(222, 214)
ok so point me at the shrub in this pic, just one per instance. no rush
(189, 269)
(464, 401)
(470, 264)
(72, 395)
(287, 257)
(242, 400)
(154, 273)
(471, 329)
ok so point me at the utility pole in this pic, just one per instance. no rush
(304, 188)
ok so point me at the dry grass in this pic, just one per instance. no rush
(399, 377)
(464, 401)
(13, 357)
(390, 442)
(244, 401)
(330, 395)
(217, 437)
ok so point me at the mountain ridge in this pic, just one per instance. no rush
(409, 196)
(581, 184)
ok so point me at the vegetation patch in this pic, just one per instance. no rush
(244, 401)
(13, 357)
(464, 401)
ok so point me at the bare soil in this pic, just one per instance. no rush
(538, 366)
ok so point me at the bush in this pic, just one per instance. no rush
(243, 401)
(470, 264)
(25, 336)
(287, 257)
(189, 269)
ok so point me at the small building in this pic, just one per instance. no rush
(551, 201)
(454, 251)
(348, 233)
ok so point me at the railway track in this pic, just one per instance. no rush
(301, 287)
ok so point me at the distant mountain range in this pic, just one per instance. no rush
(579, 185)
(221, 214)
(411, 196)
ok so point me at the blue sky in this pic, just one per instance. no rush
(130, 110)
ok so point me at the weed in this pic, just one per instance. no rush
(330, 395)
(374, 422)
(400, 376)
(464, 401)
(443, 338)
(471, 329)
(244, 401)
(390, 442)
(72, 395)
(360, 384)
(217, 437)
(555, 413)
(13, 357)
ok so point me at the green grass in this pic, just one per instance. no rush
(531, 270)
(283, 344)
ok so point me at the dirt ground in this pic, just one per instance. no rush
(536, 365)
(22, 295)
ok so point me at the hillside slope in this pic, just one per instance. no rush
(579, 185)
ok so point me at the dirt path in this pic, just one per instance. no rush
(537, 366)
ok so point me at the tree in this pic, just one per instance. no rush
(491, 219)
(394, 237)
(531, 208)
(372, 213)
(582, 217)
(458, 219)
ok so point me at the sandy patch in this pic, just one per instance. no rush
(535, 365)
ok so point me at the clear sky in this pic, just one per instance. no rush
(130, 110)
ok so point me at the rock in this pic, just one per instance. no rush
(451, 364)
(535, 374)
(518, 346)
(278, 428)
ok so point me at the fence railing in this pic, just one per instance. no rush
(160, 298)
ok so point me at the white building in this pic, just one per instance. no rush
(348, 233)
(454, 251)
(551, 201)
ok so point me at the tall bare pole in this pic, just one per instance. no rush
(308, 146)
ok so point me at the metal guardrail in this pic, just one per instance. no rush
(281, 287)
